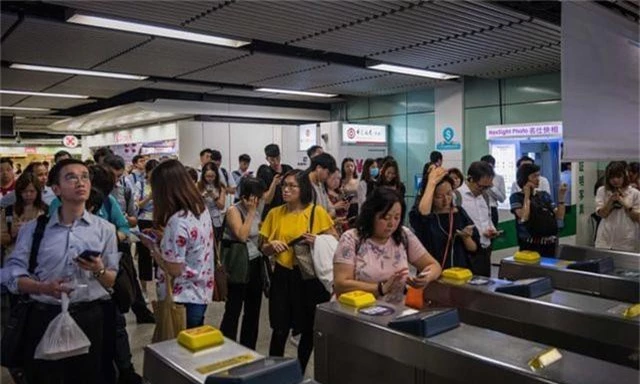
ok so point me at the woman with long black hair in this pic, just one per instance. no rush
(185, 242)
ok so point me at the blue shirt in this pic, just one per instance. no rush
(114, 216)
(60, 245)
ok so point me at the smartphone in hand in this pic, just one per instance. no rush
(88, 254)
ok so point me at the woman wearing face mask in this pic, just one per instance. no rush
(375, 256)
(618, 205)
(445, 230)
(390, 177)
(367, 181)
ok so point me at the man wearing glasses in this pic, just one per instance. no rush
(78, 256)
(476, 203)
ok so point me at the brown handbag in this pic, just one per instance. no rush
(171, 318)
(220, 289)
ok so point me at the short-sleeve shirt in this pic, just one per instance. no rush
(618, 231)
(285, 226)
(375, 262)
(517, 202)
(189, 240)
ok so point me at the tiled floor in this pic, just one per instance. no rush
(140, 336)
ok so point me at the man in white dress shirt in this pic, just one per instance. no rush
(476, 203)
(497, 193)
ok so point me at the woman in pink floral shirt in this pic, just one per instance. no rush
(187, 244)
(375, 256)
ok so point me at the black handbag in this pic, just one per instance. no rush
(12, 342)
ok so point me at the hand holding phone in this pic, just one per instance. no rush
(147, 236)
(296, 241)
(89, 254)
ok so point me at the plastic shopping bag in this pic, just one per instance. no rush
(63, 337)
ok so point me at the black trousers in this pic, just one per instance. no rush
(92, 318)
(248, 295)
(292, 304)
(481, 262)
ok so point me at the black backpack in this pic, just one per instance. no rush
(542, 219)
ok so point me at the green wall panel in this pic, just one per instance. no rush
(388, 105)
(475, 122)
(420, 101)
(357, 108)
(421, 132)
(532, 112)
(531, 88)
(481, 92)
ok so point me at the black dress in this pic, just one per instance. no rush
(433, 232)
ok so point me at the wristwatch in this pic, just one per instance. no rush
(99, 273)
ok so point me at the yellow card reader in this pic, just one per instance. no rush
(357, 299)
(196, 339)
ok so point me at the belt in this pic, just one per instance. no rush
(541, 240)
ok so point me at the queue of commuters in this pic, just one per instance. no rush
(266, 230)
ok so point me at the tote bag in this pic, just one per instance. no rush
(171, 318)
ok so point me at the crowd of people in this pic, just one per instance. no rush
(267, 229)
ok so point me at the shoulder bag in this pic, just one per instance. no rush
(12, 343)
(303, 253)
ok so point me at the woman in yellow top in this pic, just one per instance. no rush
(292, 300)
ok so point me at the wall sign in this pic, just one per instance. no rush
(364, 134)
(70, 141)
(307, 136)
(447, 140)
(550, 129)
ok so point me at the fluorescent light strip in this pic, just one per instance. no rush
(412, 71)
(43, 94)
(25, 109)
(73, 71)
(146, 29)
(289, 92)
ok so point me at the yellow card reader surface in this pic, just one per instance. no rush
(527, 256)
(457, 274)
(196, 339)
(357, 299)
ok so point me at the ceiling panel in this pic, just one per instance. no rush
(27, 80)
(161, 12)
(318, 76)
(7, 21)
(59, 44)
(96, 86)
(10, 100)
(286, 21)
(51, 102)
(382, 84)
(253, 68)
(169, 58)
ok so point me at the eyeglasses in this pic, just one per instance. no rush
(72, 177)
(290, 186)
(484, 187)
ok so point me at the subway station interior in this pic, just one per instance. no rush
(462, 177)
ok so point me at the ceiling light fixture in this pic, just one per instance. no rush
(290, 92)
(74, 71)
(147, 29)
(412, 71)
(43, 94)
(25, 109)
